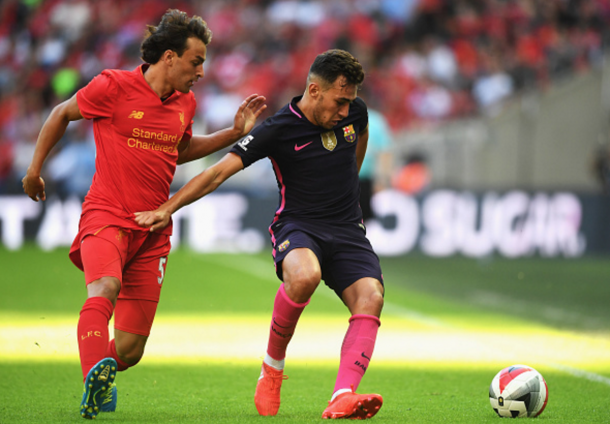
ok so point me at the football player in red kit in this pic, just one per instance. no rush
(142, 122)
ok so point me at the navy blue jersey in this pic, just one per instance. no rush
(315, 168)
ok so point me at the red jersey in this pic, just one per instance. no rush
(136, 139)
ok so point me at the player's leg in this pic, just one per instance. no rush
(357, 280)
(133, 321)
(126, 348)
(136, 305)
(93, 321)
(365, 301)
(102, 263)
(301, 274)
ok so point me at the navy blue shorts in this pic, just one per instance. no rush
(344, 252)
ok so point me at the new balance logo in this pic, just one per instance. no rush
(136, 114)
(297, 147)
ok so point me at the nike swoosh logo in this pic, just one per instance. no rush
(364, 356)
(297, 148)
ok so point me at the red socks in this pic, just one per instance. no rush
(356, 351)
(92, 331)
(286, 314)
(111, 353)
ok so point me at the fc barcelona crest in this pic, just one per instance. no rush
(283, 246)
(329, 140)
(349, 133)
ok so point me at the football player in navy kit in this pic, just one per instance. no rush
(316, 145)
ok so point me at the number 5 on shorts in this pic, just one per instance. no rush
(162, 262)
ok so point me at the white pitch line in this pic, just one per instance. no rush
(582, 374)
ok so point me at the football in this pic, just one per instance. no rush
(518, 391)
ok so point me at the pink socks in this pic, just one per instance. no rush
(356, 351)
(286, 314)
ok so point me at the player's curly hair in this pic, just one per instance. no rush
(334, 63)
(175, 28)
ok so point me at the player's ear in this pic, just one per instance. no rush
(313, 89)
(168, 56)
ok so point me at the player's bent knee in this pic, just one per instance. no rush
(131, 359)
(107, 287)
(372, 304)
(129, 346)
(307, 281)
(301, 289)
(374, 297)
(364, 297)
(130, 354)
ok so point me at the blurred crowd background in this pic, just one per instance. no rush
(427, 61)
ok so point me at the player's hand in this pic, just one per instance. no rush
(34, 187)
(153, 220)
(248, 112)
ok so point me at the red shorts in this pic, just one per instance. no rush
(137, 259)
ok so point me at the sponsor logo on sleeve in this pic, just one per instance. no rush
(244, 143)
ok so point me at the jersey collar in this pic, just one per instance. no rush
(295, 109)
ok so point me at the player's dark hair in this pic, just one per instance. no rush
(175, 28)
(332, 64)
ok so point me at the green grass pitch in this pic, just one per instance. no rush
(449, 325)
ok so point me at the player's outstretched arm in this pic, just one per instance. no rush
(199, 186)
(52, 131)
(202, 145)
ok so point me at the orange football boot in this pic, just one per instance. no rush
(353, 406)
(267, 395)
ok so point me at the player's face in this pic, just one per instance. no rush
(188, 68)
(332, 103)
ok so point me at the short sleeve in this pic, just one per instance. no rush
(188, 133)
(256, 145)
(97, 99)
